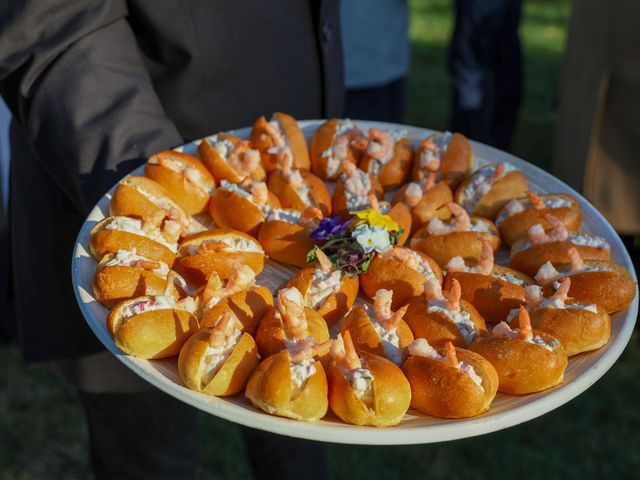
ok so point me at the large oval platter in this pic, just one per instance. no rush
(506, 410)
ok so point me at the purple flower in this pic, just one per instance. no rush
(329, 227)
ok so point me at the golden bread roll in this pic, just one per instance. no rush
(520, 214)
(217, 250)
(249, 306)
(388, 157)
(278, 138)
(152, 326)
(451, 155)
(123, 233)
(272, 389)
(489, 188)
(230, 158)
(461, 384)
(334, 141)
(299, 189)
(424, 205)
(186, 179)
(353, 190)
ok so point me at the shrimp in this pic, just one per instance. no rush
(498, 172)
(358, 139)
(451, 358)
(433, 289)
(453, 298)
(171, 231)
(562, 293)
(380, 145)
(240, 278)
(374, 202)
(348, 168)
(538, 236)
(308, 348)
(274, 133)
(576, 260)
(152, 223)
(213, 288)
(169, 283)
(225, 328)
(259, 193)
(340, 147)
(286, 167)
(310, 218)
(525, 331)
(407, 256)
(429, 182)
(243, 159)
(344, 353)
(413, 194)
(485, 265)
(430, 156)
(382, 304)
(146, 264)
(391, 324)
(325, 264)
(536, 201)
(461, 222)
(212, 246)
(533, 296)
(290, 306)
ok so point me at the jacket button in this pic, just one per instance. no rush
(327, 31)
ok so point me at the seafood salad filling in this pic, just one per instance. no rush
(224, 146)
(386, 324)
(191, 174)
(282, 215)
(547, 272)
(158, 302)
(356, 190)
(461, 318)
(281, 144)
(524, 333)
(482, 181)
(323, 284)
(235, 188)
(301, 371)
(215, 356)
(390, 342)
(508, 277)
(381, 148)
(420, 347)
(130, 258)
(434, 149)
(225, 244)
(132, 225)
(518, 205)
(345, 136)
(361, 381)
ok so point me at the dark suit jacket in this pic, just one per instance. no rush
(96, 86)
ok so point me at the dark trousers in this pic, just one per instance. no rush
(150, 435)
(485, 62)
(384, 103)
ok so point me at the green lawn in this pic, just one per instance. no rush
(42, 433)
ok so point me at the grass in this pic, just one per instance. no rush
(42, 434)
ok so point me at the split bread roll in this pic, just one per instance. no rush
(230, 158)
(278, 138)
(354, 190)
(123, 233)
(243, 209)
(450, 382)
(217, 251)
(388, 157)
(424, 205)
(404, 272)
(286, 241)
(186, 179)
(249, 306)
(520, 214)
(329, 292)
(489, 188)
(126, 275)
(141, 197)
(299, 189)
(272, 389)
(334, 141)
(215, 365)
(369, 391)
(526, 360)
(152, 327)
(451, 155)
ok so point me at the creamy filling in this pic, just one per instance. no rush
(548, 272)
(301, 371)
(190, 173)
(559, 304)
(503, 330)
(442, 142)
(356, 190)
(132, 225)
(480, 184)
(162, 203)
(301, 188)
(361, 381)
(158, 302)
(420, 265)
(518, 205)
(508, 277)
(322, 286)
(282, 215)
(235, 188)
(215, 357)
(224, 146)
(461, 318)
(390, 342)
(228, 244)
(580, 239)
(282, 146)
(333, 163)
(420, 347)
(129, 258)
(478, 225)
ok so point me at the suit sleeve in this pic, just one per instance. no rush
(72, 75)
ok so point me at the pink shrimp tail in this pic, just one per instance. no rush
(430, 181)
(576, 260)
(391, 324)
(536, 201)
(453, 299)
(451, 356)
(432, 289)
(524, 323)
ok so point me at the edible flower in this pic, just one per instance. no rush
(375, 219)
(330, 226)
(372, 238)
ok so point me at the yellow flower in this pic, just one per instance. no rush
(375, 219)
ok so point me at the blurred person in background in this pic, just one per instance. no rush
(597, 135)
(485, 63)
(375, 38)
(6, 304)
(95, 88)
